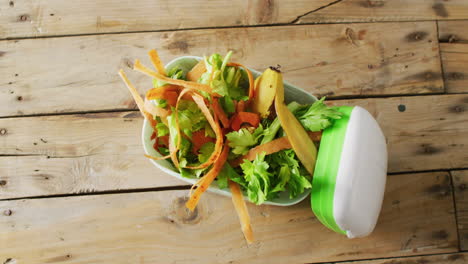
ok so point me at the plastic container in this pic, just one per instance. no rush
(350, 173)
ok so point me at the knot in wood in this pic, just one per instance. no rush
(23, 18)
(7, 212)
(181, 214)
(452, 38)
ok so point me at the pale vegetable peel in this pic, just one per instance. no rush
(265, 94)
(301, 143)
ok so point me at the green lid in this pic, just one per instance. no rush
(326, 169)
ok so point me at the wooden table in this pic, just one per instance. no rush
(75, 188)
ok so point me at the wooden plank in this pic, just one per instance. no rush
(75, 154)
(154, 227)
(454, 54)
(453, 31)
(455, 64)
(460, 182)
(423, 133)
(454, 258)
(382, 10)
(337, 60)
(39, 176)
(55, 17)
(100, 152)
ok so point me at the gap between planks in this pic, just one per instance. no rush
(394, 260)
(441, 63)
(137, 190)
(220, 27)
(187, 187)
(455, 212)
(335, 98)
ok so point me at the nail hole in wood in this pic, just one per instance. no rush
(402, 108)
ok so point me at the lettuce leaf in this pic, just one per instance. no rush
(317, 116)
(228, 173)
(289, 173)
(191, 118)
(184, 154)
(160, 103)
(224, 80)
(205, 151)
(173, 135)
(174, 73)
(242, 140)
(161, 129)
(258, 178)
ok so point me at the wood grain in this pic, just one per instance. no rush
(57, 75)
(75, 154)
(154, 227)
(454, 258)
(460, 183)
(455, 64)
(423, 132)
(391, 10)
(100, 152)
(454, 54)
(27, 176)
(453, 31)
(55, 17)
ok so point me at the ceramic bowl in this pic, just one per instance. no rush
(292, 93)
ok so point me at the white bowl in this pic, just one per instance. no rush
(186, 63)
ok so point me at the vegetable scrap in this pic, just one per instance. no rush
(215, 123)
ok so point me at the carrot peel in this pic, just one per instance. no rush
(157, 61)
(242, 212)
(270, 148)
(197, 86)
(245, 117)
(203, 184)
(220, 113)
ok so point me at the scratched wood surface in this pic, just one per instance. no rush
(102, 152)
(75, 188)
(334, 60)
(154, 227)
